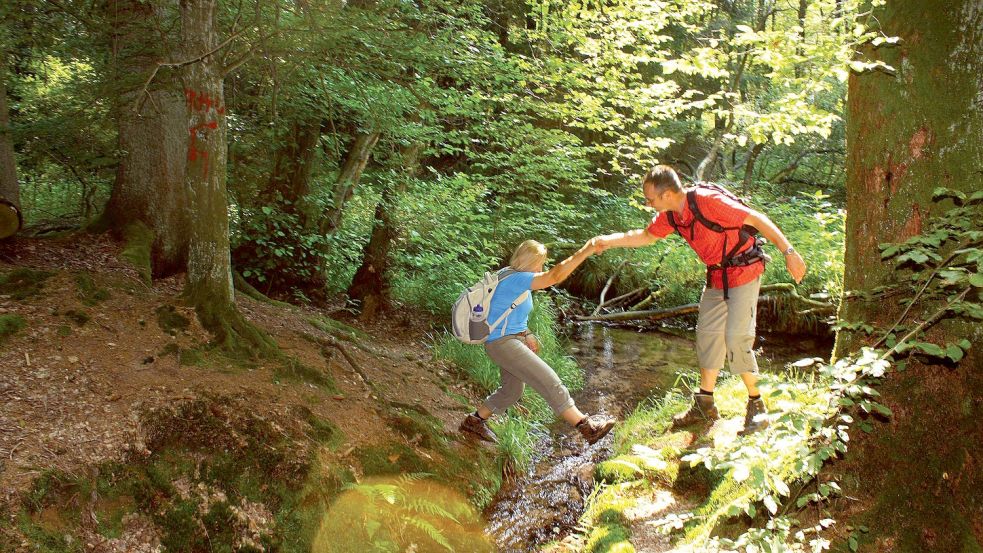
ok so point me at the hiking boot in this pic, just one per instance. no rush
(595, 427)
(477, 427)
(752, 421)
(702, 411)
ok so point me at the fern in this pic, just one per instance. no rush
(431, 531)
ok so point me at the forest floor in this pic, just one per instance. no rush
(92, 353)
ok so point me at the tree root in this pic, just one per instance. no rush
(232, 333)
(331, 342)
(241, 285)
(352, 338)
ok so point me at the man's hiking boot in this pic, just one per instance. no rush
(752, 421)
(595, 427)
(477, 427)
(702, 411)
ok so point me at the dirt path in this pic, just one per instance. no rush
(77, 377)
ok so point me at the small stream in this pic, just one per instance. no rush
(622, 368)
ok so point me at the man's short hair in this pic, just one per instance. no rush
(663, 178)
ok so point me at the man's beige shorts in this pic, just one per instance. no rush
(725, 329)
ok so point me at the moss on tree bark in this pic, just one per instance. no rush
(920, 474)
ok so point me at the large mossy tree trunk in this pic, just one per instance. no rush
(10, 214)
(209, 282)
(153, 137)
(920, 475)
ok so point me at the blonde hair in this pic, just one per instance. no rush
(528, 256)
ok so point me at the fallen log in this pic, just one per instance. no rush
(815, 307)
(622, 298)
(651, 314)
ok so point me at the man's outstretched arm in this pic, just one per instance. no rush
(631, 239)
(793, 262)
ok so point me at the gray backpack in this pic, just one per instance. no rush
(469, 316)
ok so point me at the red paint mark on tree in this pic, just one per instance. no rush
(201, 101)
(198, 101)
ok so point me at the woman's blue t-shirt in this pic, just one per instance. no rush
(509, 290)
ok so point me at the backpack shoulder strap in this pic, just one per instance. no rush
(505, 315)
(672, 222)
(505, 273)
(695, 208)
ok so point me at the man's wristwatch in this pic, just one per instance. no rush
(789, 251)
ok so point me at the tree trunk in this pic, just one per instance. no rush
(10, 210)
(907, 135)
(371, 283)
(348, 177)
(153, 139)
(803, 10)
(752, 158)
(209, 282)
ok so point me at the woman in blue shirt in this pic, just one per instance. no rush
(513, 348)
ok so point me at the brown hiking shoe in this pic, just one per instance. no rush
(477, 427)
(702, 411)
(752, 421)
(595, 427)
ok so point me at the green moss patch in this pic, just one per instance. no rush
(77, 316)
(170, 321)
(292, 369)
(210, 461)
(10, 325)
(391, 458)
(89, 293)
(658, 466)
(338, 328)
(23, 283)
(416, 424)
(138, 240)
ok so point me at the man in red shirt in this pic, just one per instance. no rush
(712, 223)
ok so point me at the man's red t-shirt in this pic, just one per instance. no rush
(707, 244)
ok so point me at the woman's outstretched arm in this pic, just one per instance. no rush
(562, 270)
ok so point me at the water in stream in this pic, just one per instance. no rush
(622, 368)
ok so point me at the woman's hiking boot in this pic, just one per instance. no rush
(702, 411)
(752, 422)
(478, 427)
(595, 427)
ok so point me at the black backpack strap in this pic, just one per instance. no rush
(672, 222)
(695, 208)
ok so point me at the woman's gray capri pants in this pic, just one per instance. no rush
(519, 366)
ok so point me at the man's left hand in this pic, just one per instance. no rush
(796, 266)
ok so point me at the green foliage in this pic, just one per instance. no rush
(276, 249)
(389, 514)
